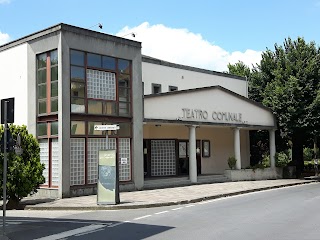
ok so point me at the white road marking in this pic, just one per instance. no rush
(138, 218)
(72, 232)
(93, 231)
(161, 212)
(116, 224)
(176, 208)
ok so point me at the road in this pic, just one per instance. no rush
(286, 213)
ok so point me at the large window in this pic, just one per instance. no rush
(78, 85)
(47, 82)
(100, 85)
(49, 152)
(101, 89)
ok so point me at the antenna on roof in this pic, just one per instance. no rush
(132, 34)
(98, 24)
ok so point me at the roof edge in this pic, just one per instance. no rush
(31, 36)
(209, 88)
(69, 28)
(157, 61)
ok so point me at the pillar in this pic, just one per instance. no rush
(192, 154)
(272, 147)
(237, 152)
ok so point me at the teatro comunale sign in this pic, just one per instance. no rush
(199, 114)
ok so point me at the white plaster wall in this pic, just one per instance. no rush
(221, 143)
(170, 107)
(13, 72)
(186, 79)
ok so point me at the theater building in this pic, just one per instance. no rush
(175, 120)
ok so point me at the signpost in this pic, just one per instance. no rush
(7, 116)
(107, 128)
(108, 174)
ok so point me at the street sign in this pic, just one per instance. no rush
(112, 127)
(10, 110)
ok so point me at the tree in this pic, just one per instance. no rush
(24, 174)
(287, 80)
(291, 75)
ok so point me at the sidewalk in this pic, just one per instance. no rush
(162, 197)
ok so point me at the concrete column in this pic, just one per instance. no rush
(272, 147)
(192, 154)
(237, 152)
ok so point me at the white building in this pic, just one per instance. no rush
(174, 120)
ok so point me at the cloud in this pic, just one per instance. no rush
(184, 47)
(4, 1)
(4, 37)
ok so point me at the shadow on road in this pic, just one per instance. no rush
(26, 228)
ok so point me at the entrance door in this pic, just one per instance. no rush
(198, 156)
(146, 158)
(183, 157)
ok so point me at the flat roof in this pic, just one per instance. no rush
(69, 28)
(157, 61)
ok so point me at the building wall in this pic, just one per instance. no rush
(119, 49)
(186, 79)
(221, 144)
(45, 44)
(14, 80)
(35, 47)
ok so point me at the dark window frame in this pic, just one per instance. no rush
(173, 88)
(154, 86)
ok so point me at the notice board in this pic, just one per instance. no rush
(108, 180)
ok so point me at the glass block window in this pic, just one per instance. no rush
(163, 158)
(77, 161)
(94, 145)
(101, 85)
(55, 162)
(44, 158)
(125, 163)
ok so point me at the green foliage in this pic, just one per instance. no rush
(282, 159)
(308, 154)
(291, 75)
(232, 162)
(239, 69)
(24, 174)
(288, 81)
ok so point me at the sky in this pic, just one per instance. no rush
(207, 34)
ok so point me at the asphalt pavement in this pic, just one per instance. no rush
(161, 197)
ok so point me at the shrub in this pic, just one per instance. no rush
(24, 174)
(282, 159)
(232, 162)
(308, 154)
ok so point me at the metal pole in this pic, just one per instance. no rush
(5, 169)
(107, 141)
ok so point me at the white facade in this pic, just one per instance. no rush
(14, 80)
(184, 77)
(208, 105)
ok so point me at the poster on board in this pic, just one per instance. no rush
(108, 180)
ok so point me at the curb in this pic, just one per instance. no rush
(119, 207)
